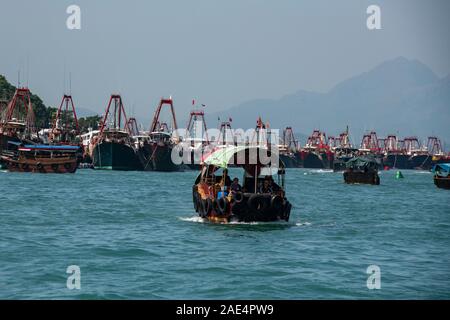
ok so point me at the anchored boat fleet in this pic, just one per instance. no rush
(118, 144)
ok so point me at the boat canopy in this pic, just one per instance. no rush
(249, 155)
(362, 163)
(442, 169)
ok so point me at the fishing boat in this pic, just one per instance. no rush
(342, 149)
(288, 157)
(288, 149)
(113, 147)
(442, 175)
(362, 170)
(316, 154)
(88, 141)
(155, 153)
(18, 120)
(259, 198)
(435, 149)
(195, 141)
(65, 129)
(370, 147)
(419, 157)
(395, 156)
(40, 158)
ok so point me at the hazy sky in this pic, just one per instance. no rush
(220, 52)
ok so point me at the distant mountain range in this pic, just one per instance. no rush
(399, 96)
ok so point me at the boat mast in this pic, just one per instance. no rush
(194, 116)
(155, 122)
(62, 115)
(289, 140)
(118, 115)
(20, 105)
(132, 127)
(225, 127)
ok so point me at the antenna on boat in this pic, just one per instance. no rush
(70, 83)
(64, 78)
(28, 68)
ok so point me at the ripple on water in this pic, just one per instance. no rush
(135, 235)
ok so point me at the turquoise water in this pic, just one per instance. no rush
(135, 235)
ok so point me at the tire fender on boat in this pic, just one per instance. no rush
(210, 205)
(276, 204)
(195, 201)
(222, 205)
(258, 203)
(207, 206)
(203, 207)
(287, 212)
(238, 197)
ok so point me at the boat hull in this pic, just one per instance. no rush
(420, 162)
(242, 207)
(115, 156)
(312, 160)
(156, 157)
(327, 160)
(352, 177)
(396, 161)
(443, 183)
(41, 165)
(289, 161)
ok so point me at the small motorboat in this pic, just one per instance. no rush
(40, 158)
(442, 175)
(221, 199)
(362, 170)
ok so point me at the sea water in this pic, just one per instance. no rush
(135, 235)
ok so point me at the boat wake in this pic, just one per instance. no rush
(197, 219)
(302, 224)
(318, 171)
(193, 219)
(421, 172)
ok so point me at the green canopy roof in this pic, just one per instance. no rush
(442, 169)
(361, 163)
(221, 157)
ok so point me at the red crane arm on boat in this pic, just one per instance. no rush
(155, 121)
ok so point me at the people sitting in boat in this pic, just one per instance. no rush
(266, 187)
(275, 188)
(226, 180)
(235, 186)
